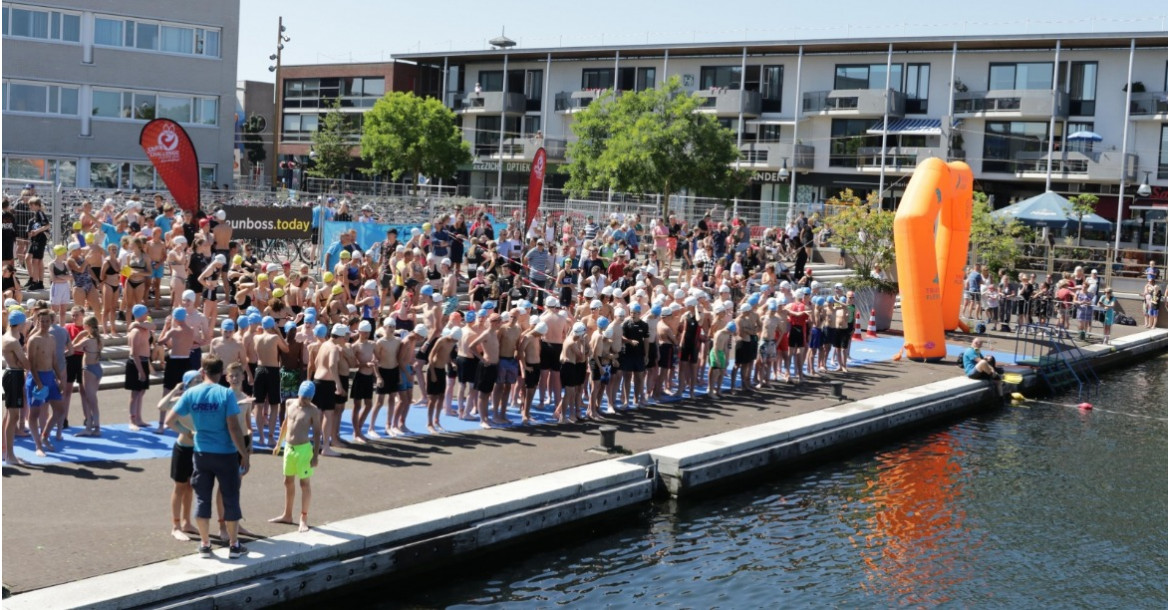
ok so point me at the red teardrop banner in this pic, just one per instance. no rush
(170, 150)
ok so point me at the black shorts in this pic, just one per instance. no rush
(182, 463)
(688, 353)
(633, 361)
(363, 387)
(325, 398)
(843, 336)
(436, 383)
(342, 397)
(266, 385)
(315, 235)
(132, 382)
(8, 248)
(467, 369)
(248, 387)
(36, 249)
(665, 355)
(796, 336)
(488, 373)
(550, 356)
(531, 375)
(390, 380)
(13, 383)
(73, 368)
(212, 468)
(572, 374)
(652, 356)
(174, 371)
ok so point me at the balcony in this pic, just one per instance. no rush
(490, 102)
(1147, 106)
(1076, 165)
(575, 101)
(774, 155)
(854, 103)
(524, 149)
(726, 102)
(1011, 103)
(899, 159)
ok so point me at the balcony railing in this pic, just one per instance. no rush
(726, 102)
(1148, 105)
(490, 102)
(524, 148)
(1014, 103)
(575, 101)
(776, 155)
(1103, 166)
(898, 158)
(854, 102)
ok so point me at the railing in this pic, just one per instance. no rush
(491, 102)
(1147, 103)
(573, 101)
(1105, 165)
(1127, 274)
(776, 154)
(866, 102)
(1016, 102)
(728, 101)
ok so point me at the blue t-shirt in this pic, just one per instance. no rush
(969, 358)
(331, 255)
(209, 406)
(321, 213)
(974, 282)
(164, 223)
(440, 241)
(113, 235)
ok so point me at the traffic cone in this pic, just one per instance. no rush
(871, 330)
(857, 325)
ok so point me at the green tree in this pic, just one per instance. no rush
(1083, 205)
(652, 141)
(866, 233)
(253, 142)
(407, 134)
(995, 241)
(332, 144)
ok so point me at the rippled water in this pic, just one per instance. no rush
(1043, 506)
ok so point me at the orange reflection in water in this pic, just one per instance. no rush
(908, 541)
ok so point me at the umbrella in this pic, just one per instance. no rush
(1050, 210)
(1085, 136)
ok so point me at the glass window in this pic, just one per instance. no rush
(40, 24)
(769, 133)
(533, 84)
(531, 125)
(1036, 75)
(1082, 92)
(107, 103)
(142, 176)
(1008, 145)
(7, 19)
(71, 28)
(54, 99)
(597, 78)
(128, 38)
(25, 169)
(1162, 156)
(27, 98)
(647, 78)
(292, 122)
(64, 172)
(21, 22)
(208, 111)
(309, 122)
(374, 87)
(851, 77)
(293, 88)
(147, 38)
(848, 137)
(1075, 145)
(724, 77)
(1001, 76)
(491, 80)
(207, 175)
(772, 88)
(177, 40)
(174, 108)
(107, 32)
(103, 175)
(69, 101)
(917, 88)
(144, 104)
(211, 47)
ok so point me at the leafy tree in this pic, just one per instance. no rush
(1083, 205)
(652, 141)
(995, 241)
(407, 134)
(867, 236)
(253, 143)
(845, 197)
(332, 144)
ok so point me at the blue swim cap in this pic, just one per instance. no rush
(254, 319)
(819, 301)
(656, 310)
(139, 310)
(754, 300)
(16, 318)
(227, 325)
(307, 389)
(179, 314)
(731, 327)
(490, 305)
(603, 322)
(637, 308)
(289, 327)
(310, 316)
(320, 331)
(483, 313)
(427, 290)
(252, 310)
(469, 316)
(268, 323)
(311, 310)
(189, 378)
(244, 322)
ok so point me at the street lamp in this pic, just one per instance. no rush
(503, 43)
(783, 173)
(278, 91)
(1144, 190)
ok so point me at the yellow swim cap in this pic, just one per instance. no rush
(281, 280)
(278, 293)
(345, 254)
(337, 290)
(263, 277)
(237, 260)
(426, 226)
(60, 249)
(77, 225)
(328, 277)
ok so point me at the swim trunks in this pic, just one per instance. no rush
(298, 460)
(48, 380)
(717, 359)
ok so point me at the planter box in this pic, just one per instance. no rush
(881, 302)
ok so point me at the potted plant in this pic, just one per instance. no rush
(866, 234)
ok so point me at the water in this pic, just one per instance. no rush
(1033, 507)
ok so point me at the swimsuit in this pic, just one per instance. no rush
(13, 384)
(717, 359)
(49, 381)
(298, 460)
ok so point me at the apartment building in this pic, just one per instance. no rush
(82, 78)
(811, 116)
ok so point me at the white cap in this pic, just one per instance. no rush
(399, 249)
(590, 293)
(273, 268)
(724, 288)
(691, 301)
(673, 286)
(579, 328)
(188, 295)
(370, 285)
(639, 284)
(445, 261)
(220, 215)
(356, 254)
(350, 307)
(639, 293)
(607, 291)
(340, 330)
(552, 302)
(436, 297)
(540, 328)
(679, 294)
(506, 316)
(421, 330)
(718, 307)
(221, 259)
(651, 270)
(456, 333)
(595, 304)
(110, 201)
(388, 322)
(745, 307)
(620, 313)
(365, 327)
(180, 240)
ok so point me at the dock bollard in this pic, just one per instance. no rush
(838, 389)
(608, 438)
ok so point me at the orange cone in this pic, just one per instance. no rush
(871, 330)
(857, 325)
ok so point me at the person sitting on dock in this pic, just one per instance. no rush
(978, 366)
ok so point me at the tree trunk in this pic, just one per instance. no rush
(666, 200)
(414, 181)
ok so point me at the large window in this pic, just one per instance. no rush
(596, 78)
(867, 76)
(917, 88)
(59, 171)
(40, 98)
(848, 138)
(1082, 88)
(1162, 156)
(1003, 76)
(491, 80)
(29, 22)
(351, 92)
(146, 105)
(164, 37)
(635, 79)
(771, 88)
(722, 77)
(1011, 144)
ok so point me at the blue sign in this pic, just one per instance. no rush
(371, 233)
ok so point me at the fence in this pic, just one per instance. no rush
(54, 207)
(1127, 271)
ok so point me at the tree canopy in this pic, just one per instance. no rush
(652, 141)
(407, 134)
(994, 240)
(866, 234)
(253, 143)
(1083, 205)
(332, 144)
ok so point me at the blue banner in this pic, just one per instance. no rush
(371, 233)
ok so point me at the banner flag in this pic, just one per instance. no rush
(170, 150)
(535, 187)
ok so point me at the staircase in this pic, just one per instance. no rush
(1058, 359)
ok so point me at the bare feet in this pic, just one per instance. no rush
(243, 531)
(282, 519)
(374, 434)
(41, 453)
(14, 461)
(330, 453)
(431, 428)
(178, 534)
(485, 425)
(304, 526)
(159, 430)
(359, 440)
(190, 528)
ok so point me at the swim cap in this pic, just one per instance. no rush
(139, 310)
(281, 280)
(179, 314)
(370, 285)
(456, 333)
(490, 305)
(320, 331)
(469, 317)
(307, 389)
(421, 330)
(552, 302)
(73, 247)
(590, 293)
(337, 289)
(16, 318)
(278, 293)
(731, 327)
(340, 330)
(255, 319)
(221, 259)
(540, 328)
(595, 304)
(189, 378)
(602, 322)
(268, 323)
(59, 249)
(244, 322)
(426, 290)
(237, 260)
(328, 277)
(754, 300)
(252, 309)
(188, 295)
(289, 327)
(263, 277)
(345, 255)
(637, 308)
(351, 308)
(579, 328)
(310, 316)
(655, 310)
(436, 297)
(691, 301)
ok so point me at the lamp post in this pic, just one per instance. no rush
(505, 43)
(277, 96)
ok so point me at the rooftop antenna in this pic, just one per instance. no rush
(501, 41)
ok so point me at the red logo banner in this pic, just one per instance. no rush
(535, 187)
(170, 150)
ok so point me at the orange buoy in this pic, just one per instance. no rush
(1084, 406)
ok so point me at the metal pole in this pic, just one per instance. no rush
(665, 64)
(795, 133)
(947, 129)
(616, 60)
(278, 100)
(885, 125)
(1052, 119)
(503, 121)
(443, 93)
(1124, 147)
(739, 130)
(544, 95)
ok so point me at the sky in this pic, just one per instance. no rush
(375, 30)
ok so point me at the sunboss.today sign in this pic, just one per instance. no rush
(259, 222)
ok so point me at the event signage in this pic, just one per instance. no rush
(267, 222)
(170, 150)
(535, 187)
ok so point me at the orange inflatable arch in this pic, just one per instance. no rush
(932, 230)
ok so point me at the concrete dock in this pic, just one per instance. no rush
(95, 534)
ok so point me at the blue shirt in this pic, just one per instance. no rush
(974, 282)
(164, 223)
(210, 405)
(440, 241)
(321, 213)
(331, 255)
(969, 358)
(113, 235)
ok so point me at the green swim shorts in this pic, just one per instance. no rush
(717, 359)
(298, 460)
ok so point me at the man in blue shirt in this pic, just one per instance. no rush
(220, 453)
(978, 366)
(166, 220)
(972, 304)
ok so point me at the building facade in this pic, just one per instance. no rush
(255, 101)
(811, 116)
(82, 78)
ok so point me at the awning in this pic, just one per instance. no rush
(910, 127)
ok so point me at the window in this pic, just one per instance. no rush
(1082, 90)
(147, 37)
(40, 98)
(1011, 144)
(208, 111)
(867, 76)
(1162, 156)
(534, 85)
(175, 108)
(723, 77)
(1019, 76)
(917, 88)
(531, 125)
(107, 32)
(635, 79)
(771, 88)
(1075, 145)
(596, 78)
(146, 105)
(491, 80)
(207, 175)
(27, 98)
(177, 40)
(848, 138)
(768, 133)
(108, 175)
(150, 36)
(107, 104)
(42, 24)
(142, 176)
